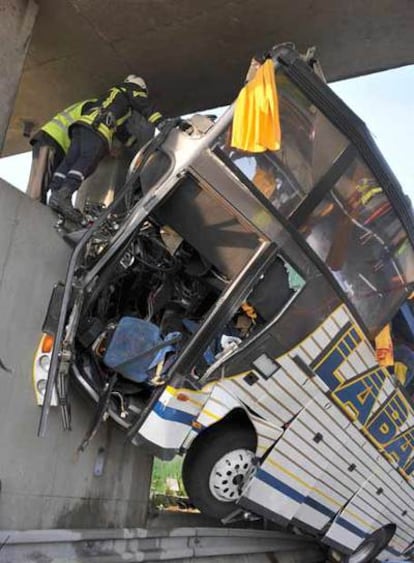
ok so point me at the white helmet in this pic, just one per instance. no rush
(134, 79)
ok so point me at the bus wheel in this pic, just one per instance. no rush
(369, 548)
(217, 466)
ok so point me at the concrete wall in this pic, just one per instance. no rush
(43, 483)
(17, 19)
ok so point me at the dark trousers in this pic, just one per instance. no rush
(87, 149)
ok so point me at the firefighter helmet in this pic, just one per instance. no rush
(134, 79)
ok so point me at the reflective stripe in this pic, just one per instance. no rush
(59, 175)
(154, 117)
(131, 140)
(76, 173)
(59, 124)
(368, 189)
(370, 194)
(141, 94)
(122, 120)
(66, 115)
(113, 94)
(102, 128)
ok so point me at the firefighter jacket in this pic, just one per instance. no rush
(116, 106)
(58, 127)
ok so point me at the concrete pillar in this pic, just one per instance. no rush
(44, 484)
(17, 18)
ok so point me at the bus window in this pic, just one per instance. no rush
(269, 295)
(355, 231)
(280, 282)
(310, 144)
(303, 299)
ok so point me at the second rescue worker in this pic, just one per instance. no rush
(91, 139)
(49, 146)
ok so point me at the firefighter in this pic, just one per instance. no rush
(91, 139)
(49, 146)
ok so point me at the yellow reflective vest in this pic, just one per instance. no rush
(58, 126)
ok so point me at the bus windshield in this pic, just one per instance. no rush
(310, 144)
(320, 182)
(357, 234)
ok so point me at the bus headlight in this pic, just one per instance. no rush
(44, 362)
(41, 386)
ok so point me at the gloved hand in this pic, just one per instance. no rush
(166, 125)
(185, 126)
(171, 123)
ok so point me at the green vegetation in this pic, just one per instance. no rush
(166, 478)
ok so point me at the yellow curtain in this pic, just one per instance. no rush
(384, 347)
(256, 121)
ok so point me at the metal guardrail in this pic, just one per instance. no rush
(133, 545)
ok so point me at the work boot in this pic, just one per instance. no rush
(61, 202)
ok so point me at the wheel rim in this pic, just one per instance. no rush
(361, 554)
(230, 473)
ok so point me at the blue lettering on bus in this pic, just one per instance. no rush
(409, 468)
(385, 423)
(332, 358)
(401, 448)
(359, 395)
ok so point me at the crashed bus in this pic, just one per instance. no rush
(224, 308)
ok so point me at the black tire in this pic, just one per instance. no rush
(201, 458)
(369, 548)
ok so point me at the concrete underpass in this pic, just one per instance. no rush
(55, 506)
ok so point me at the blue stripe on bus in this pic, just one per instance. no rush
(350, 527)
(320, 507)
(300, 498)
(393, 551)
(279, 485)
(293, 493)
(175, 415)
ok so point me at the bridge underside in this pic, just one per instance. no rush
(194, 53)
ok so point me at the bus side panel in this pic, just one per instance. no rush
(387, 497)
(171, 419)
(304, 478)
(320, 462)
(384, 498)
(326, 431)
(275, 400)
(221, 402)
(218, 405)
(352, 525)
